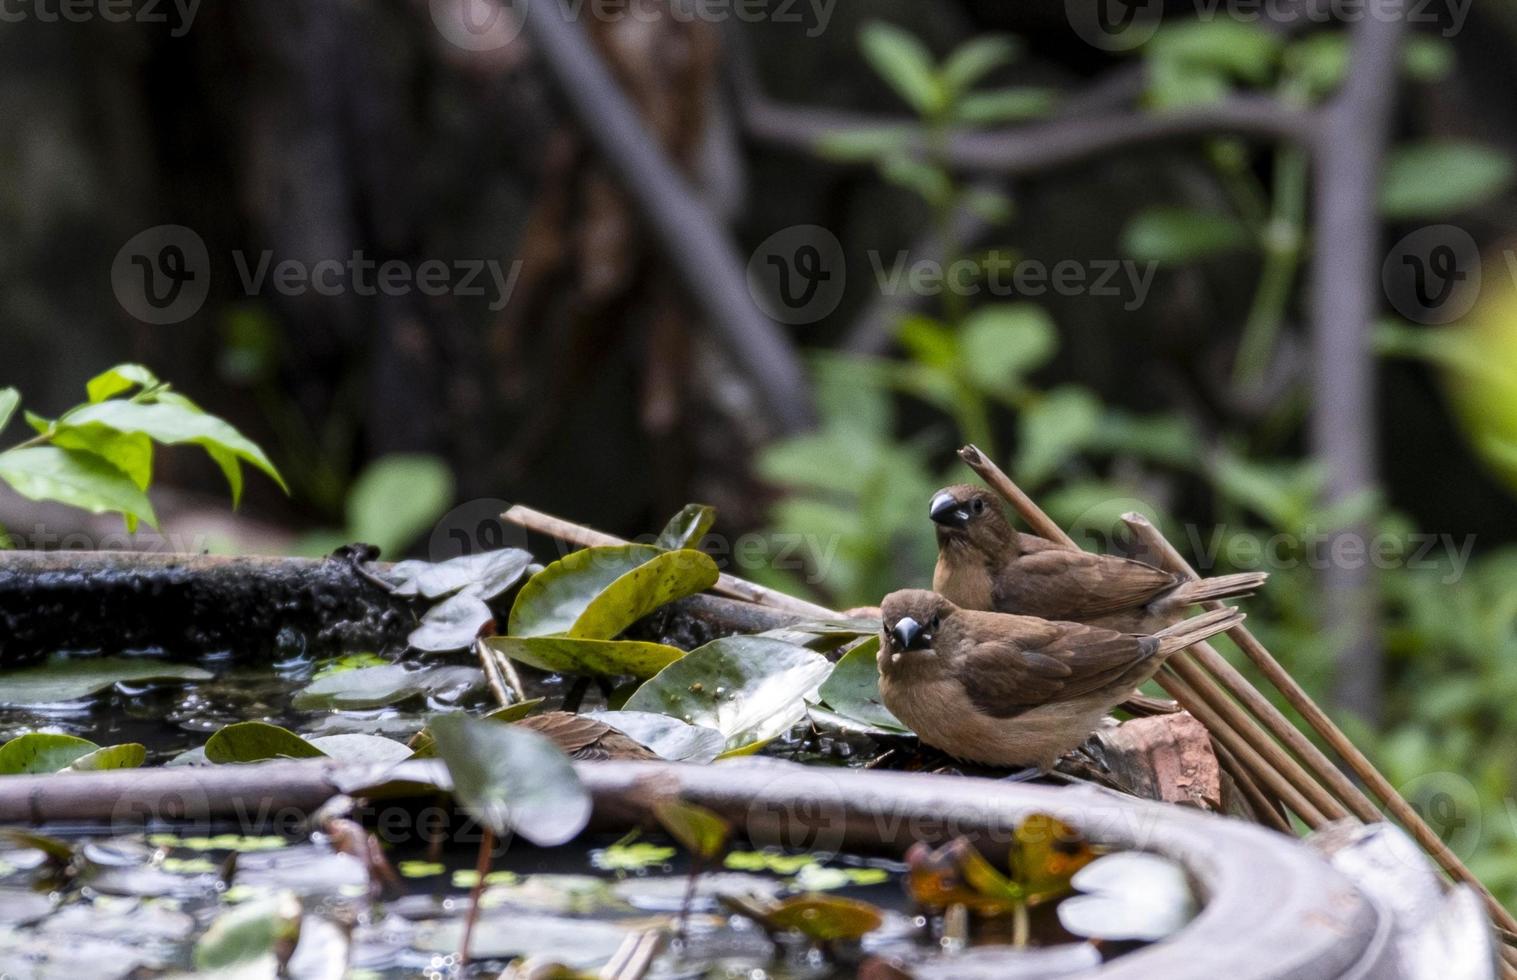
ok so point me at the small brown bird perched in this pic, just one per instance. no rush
(1013, 690)
(985, 563)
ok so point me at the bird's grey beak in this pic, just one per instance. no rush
(905, 632)
(948, 511)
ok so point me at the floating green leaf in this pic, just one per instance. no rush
(376, 687)
(598, 592)
(748, 688)
(827, 918)
(687, 528)
(257, 741)
(127, 755)
(592, 658)
(359, 747)
(853, 688)
(39, 752)
(68, 679)
(698, 830)
(512, 779)
(249, 932)
(452, 624)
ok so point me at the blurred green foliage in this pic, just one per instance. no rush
(858, 488)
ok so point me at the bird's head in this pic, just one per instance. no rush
(970, 515)
(912, 619)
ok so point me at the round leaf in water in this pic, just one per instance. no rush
(594, 658)
(257, 741)
(38, 752)
(853, 688)
(75, 678)
(748, 688)
(598, 592)
(512, 779)
(128, 755)
(669, 737)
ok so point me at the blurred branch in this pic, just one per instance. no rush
(702, 255)
(1044, 146)
(1344, 300)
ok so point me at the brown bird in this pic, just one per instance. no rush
(984, 563)
(1013, 690)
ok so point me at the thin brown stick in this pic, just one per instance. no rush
(481, 870)
(1251, 759)
(1356, 760)
(492, 672)
(1262, 708)
(727, 585)
(1203, 692)
(1265, 808)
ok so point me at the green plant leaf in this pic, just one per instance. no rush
(10, 399)
(361, 747)
(687, 528)
(76, 478)
(853, 688)
(974, 59)
(1242, 50)
(175, 421)
(1056, 427)
(748, 688)
(424, 747)
(702, 833)
(931, 183)
(999, 344)
(257, 741)
(248, 933)
(865, 144)
(596, 593)
(905, 64)
(590, 658)
(129, 452)
(451, 624)
(1440, 177)
(41, 752)
(485, 575)
(827, 918)
(1178, 235)
(397, 498)
(127, 755)
(512, 779)
(119, 379)
(669, 737)
(69, 679)
(376, 687)
(1005, 105)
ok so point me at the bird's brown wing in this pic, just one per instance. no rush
(1009, 675)
(1058, 583)
(586, 738)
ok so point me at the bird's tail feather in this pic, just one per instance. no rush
(1196, 629)
(1221, 587)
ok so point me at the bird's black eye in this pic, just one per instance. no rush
(935, 623)
(978, 506)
